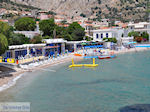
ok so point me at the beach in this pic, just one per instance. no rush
(131, 50)
(7, 82)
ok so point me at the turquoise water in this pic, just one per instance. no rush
(114, 84)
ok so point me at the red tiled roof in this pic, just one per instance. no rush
(104, 28)
(3, 20)
(88, 24)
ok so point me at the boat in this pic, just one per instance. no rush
(87, 57)
(77, 55)
(106, 56)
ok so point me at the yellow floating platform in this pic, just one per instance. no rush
(76, 65)
(86, 65)
(90, 65)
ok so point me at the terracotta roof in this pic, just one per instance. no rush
(79, 22)
(66, 25)
(3, 20)
(89, 24)
(89, 21)
(60, 24)
(124, 25)
(113, 27)
(104, 28)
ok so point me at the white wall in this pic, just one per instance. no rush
(111, 33)
(29, 34)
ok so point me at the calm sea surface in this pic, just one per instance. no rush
(113, 84)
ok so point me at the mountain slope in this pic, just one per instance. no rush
(9, 5)
(112, 9)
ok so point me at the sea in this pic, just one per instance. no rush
(113, 85)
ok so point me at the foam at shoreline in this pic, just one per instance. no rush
(13, 81)
(10, 83)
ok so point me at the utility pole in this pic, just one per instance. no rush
(54, 33)
(54, 37)
(148, 10)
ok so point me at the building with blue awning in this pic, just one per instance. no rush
(54, 47)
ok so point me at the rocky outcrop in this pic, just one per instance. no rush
(68, 7)
(121, 9)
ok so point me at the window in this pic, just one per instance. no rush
(101, 35)
(97, 36)
(106, 35)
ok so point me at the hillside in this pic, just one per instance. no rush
(9, 5)
(124, 10)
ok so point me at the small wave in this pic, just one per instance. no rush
(10, 83)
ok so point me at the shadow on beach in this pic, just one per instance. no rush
(6, 72)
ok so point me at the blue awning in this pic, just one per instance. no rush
(97, 46)
(132, 42)
(143, 45)
(87, 57)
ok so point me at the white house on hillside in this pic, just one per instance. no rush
(98, 35)
(139, 27)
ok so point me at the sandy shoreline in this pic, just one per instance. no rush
(131, 50)
(7, 82)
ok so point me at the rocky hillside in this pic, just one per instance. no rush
(9, 5)
(113, 9)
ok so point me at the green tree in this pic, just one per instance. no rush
(3, 44)
(36, 39)
(47, 27)
(134, 34)
(47, 37)
(78, 34)
(82, 15)
(99, 1)
(63, 22)
(145, 35)
(61, 32)
(87, 38)
(114, 40)
(67, 36)
(51, 13)
(5, 28)
(18, 39)
(76, 31)
(25, 24)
